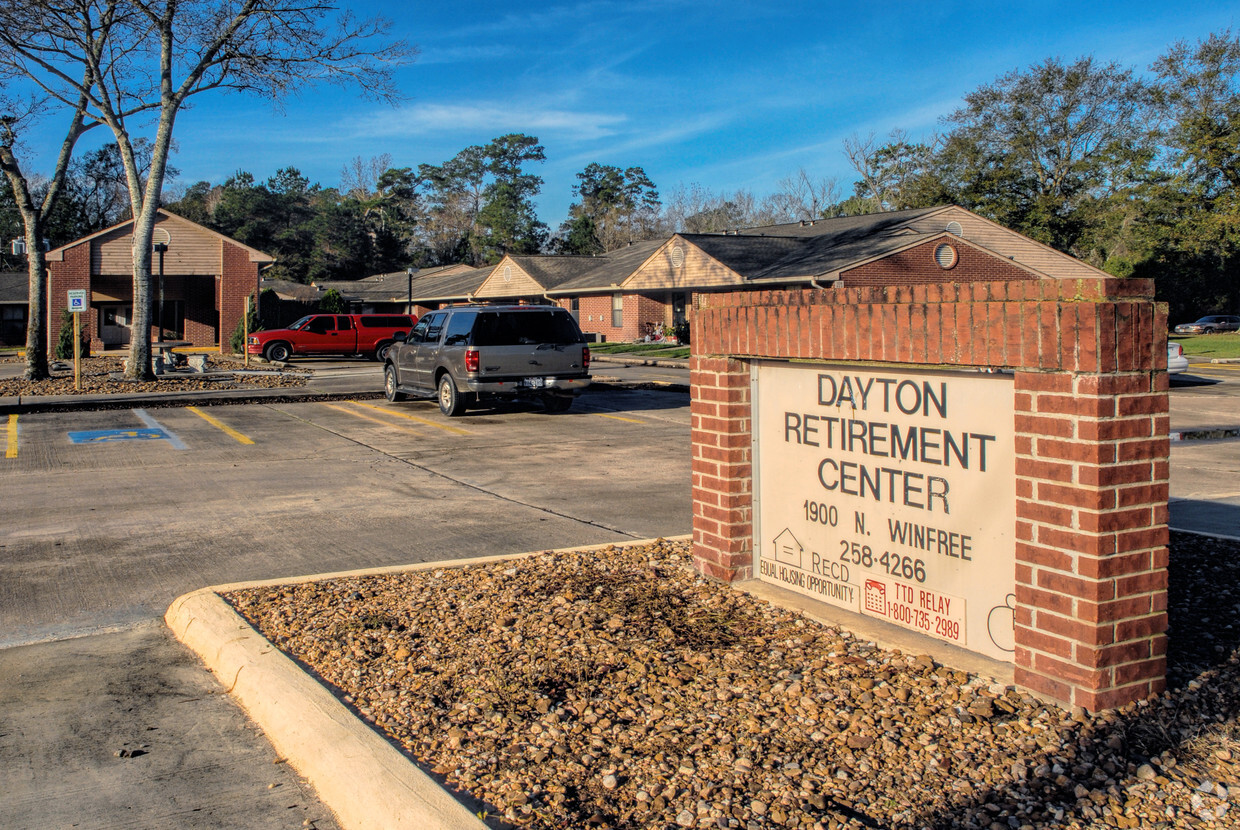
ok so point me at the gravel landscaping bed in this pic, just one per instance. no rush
(100, 376)
(618, 689)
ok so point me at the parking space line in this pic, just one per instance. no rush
(146, 418)
(220, 425)
(366, 417)
(415, 418)
(10, 439)
(618, 418)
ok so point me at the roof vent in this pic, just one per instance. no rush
(945, 256)
(507, 273)
(678, 256)
(954, 228)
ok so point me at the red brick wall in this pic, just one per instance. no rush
(1091, 425)
(201, 316)
(239, 280)
(917, 266)
(71, 273)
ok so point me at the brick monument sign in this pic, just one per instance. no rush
(984, 462)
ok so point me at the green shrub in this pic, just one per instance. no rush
(332, 303)
(64, 343)
(237, 341)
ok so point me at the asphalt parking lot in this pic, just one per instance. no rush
(106, 516)
(110, 515)
(1205, 449)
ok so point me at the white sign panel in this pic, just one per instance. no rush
(891, 493)
(77, 299)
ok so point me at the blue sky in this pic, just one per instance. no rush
(727, 95)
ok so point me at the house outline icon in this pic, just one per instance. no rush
(788, 550)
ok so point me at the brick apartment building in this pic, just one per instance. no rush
(205, 278)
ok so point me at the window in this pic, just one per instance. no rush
(434, 327)
(321, 325)
(459, 327)
(617, 311)
(519, 328)
(385, 321)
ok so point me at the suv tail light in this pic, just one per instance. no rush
(472, 360)
(585, 357)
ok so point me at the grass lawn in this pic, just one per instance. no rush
(1209, 345)
(643, 349)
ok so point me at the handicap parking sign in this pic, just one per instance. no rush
(77, 299)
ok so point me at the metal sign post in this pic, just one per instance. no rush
(77, 304)
(245, 334)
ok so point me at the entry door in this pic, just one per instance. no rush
(115, 324)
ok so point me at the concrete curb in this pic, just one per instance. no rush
(365, 781)
(153, 400)
(361, 777)
(631, 360)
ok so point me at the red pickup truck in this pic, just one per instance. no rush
(342, 334)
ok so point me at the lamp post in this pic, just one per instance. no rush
(161, 248)
(409, 272)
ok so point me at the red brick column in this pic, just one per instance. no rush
(722, 468)
(1091, 429)
(70, 273)
(239, 280)
(1092, 486)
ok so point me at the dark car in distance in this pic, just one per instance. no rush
(463, 355)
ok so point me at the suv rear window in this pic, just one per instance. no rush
(525, 327)
(378, 321)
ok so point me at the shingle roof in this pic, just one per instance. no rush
(14, 287)
(803, 250)
(553, 271)
(840, 225)
(613, 267)
(447, 282)
(290, 290)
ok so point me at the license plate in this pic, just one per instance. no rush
(536, 383)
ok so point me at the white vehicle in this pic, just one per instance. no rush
(1176, 361)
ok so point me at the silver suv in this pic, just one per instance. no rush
(465, 354)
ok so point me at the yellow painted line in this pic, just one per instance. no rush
(618, 418)
(220, 425)
(397, 413)
(10, 441)
(366, 417)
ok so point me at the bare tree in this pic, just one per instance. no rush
(695, 209)
(16, 114)
(360, 177)
(802, 197)
(142, 60)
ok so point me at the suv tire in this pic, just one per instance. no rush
(389, 385)
(451, 402)
(278, 352)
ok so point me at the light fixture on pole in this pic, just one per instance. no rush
(160, 246)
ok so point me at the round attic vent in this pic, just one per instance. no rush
(678, 256)
(954, 228)
(945, 256)
(507, 273)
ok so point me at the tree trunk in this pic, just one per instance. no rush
(36, 317)
(32, 223)
(140, 339)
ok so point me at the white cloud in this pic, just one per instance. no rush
(491, 118)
